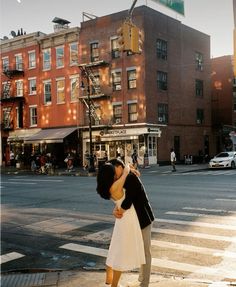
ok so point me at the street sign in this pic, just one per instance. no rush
(176, 5)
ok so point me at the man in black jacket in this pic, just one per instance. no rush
(136, 195)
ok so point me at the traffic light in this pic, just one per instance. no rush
(136, 40)
(124, 37)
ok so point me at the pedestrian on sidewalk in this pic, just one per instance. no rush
(131, 239)
(173, 159)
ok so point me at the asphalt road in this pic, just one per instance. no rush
(61, 223)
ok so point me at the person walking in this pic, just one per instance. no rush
(173, 159)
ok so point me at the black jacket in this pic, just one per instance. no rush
(136, 195)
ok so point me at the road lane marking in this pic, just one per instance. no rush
(85, 249)
(230, 219)
(162, 263)
(201, 224)
(36, 179)
(194, 234)
(210, 210)
(192, 248)
(225, 199)
(19, 182)
(10, 256)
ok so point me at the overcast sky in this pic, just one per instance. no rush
(213, 17)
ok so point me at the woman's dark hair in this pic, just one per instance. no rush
(105, 179)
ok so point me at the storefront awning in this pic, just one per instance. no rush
(21, 134)
(50, 135)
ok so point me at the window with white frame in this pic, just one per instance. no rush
(152, 145)
(60, 91)
(74, 88)
(47, 88)
(116, 80)
(33, 116)
(46, 59)
(19, 62)
(132, 112)
(32, 86)
(19, 88)
(5, 63)
(115, 51)
(73, 53)
(117, 113)
(132, 81)
(32, 59)
(161, 49)
(60, 57)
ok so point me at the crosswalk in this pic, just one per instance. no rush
(226, 172)
(193, 242)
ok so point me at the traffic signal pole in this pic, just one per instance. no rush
(132, 9)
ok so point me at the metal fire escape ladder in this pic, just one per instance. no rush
(87, 73)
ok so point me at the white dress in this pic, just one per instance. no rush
(126, 251)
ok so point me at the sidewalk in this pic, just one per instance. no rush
(95, 278)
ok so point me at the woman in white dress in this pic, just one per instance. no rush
(126, 251)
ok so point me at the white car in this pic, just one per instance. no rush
(223, 160)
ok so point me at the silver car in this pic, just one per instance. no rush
(223, 160)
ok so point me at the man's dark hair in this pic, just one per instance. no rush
(116, 162)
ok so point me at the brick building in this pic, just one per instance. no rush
(223, 103)
(150, 102)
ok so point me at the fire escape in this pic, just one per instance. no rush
(10, 97)
(91, 86)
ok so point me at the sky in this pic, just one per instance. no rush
(212, 17)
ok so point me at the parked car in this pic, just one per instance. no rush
(223, 160)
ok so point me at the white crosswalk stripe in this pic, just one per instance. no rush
(10, 256)
(206, 172)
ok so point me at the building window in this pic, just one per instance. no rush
(161, 49)
(5, 63)
(74, 88)
(60, 91)
(131, 75)
(47, 92)
(19, 62)
(152, 145)
(59, 57)
(95, 86)
(116, 80)
(115, 52)
(19, 88)
(234, 101)
(32, 59)
(199, 88)
(162, 80)
(162, 113)
(6, 89)
(117, 114)
(47, 59)
(32, 86)
(94, 52)
(33, 116)
(7, 118)
(73, 54)
(132, 112)
(200, 116)
(199, 61)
